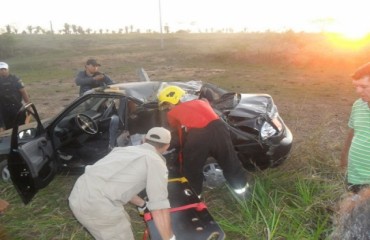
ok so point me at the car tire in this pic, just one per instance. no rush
(5, 174)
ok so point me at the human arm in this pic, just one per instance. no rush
(137, 201)
(83, 79)
(25, 96)
(162, 221)
(174, 118)
(2, 124)
(157, 192)
(107, 79)
(345, 149)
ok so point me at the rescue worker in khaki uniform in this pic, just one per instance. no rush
(12, 92)
(205, 135)
(98, 196)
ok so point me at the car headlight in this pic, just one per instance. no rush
(267, 130)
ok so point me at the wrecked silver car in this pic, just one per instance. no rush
(79, 135)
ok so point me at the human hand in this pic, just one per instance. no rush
(99, 77)
(142, 209)
(3, 206)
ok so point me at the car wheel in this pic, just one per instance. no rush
(5, 174)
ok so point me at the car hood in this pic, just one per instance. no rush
(252, 105)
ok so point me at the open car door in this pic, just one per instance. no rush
(31, 160)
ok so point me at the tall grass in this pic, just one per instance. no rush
(284, 205)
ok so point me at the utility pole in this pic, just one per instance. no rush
(51, 27)
(160, 23)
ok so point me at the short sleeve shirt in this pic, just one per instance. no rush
(191, 114)
(9, 90)
(359, 153)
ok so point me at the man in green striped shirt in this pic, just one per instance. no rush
(356, 151)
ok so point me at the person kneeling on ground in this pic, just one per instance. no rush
(98, 196)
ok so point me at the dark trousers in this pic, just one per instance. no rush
(213, 140)
(9, 114)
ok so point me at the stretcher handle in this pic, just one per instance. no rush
(198, 207)
(182, 180)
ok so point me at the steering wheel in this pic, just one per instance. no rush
(86, 124)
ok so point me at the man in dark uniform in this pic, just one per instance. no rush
(12, 92)
(206, 135)
(91, 78)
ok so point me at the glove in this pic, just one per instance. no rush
(142, 209)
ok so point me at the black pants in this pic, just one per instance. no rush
(9, 114)
(213, 140)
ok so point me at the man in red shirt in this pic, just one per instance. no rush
(205, 135)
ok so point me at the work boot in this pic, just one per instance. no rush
(243, 194)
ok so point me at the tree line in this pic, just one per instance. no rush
(75, 29)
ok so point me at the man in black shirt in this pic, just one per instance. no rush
(12, 92)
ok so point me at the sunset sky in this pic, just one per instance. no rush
(350, 17)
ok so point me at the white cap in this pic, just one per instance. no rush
(159, 134)
(4, 65)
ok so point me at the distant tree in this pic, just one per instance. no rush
(120, 31)
(74, 28)
(126, 29)
(38, 30)
(67, 28)
(101, 31)
(30, 28)
(131, 28)
(8, 29)
(80, 30)
(88, 31)
(15, 30)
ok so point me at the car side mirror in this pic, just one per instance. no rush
(27, 134)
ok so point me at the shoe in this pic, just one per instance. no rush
(64, 156)
(243, 194)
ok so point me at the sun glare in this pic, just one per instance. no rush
(354, 34)
(349, 41)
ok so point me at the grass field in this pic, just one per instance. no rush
(306, 74)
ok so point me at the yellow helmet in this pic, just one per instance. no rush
(171, 94)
